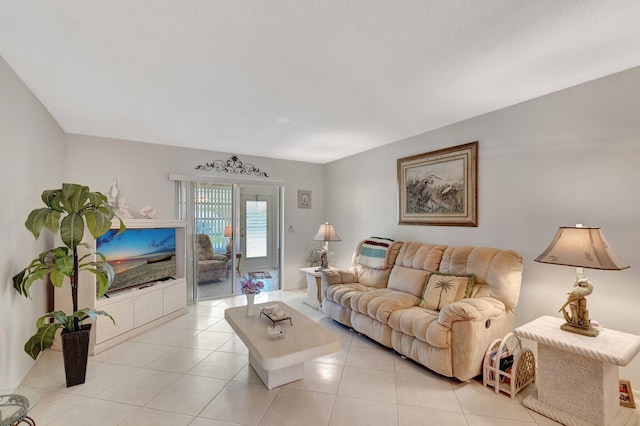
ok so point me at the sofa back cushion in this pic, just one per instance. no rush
(407, 280)
(498, 273)
(375, 276)
(426, 257)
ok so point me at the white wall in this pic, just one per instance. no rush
(143, 179)
(32, 161)
(566, 158)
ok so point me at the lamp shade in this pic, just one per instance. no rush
(326, 232)
(227, 231)
(583, 248)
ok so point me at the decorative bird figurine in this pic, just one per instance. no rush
(581, 289)
(577, 319)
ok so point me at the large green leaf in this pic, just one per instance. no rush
(97, 199)
(57, 316)
(38, 274)
(98, 222)
(36, 270)
(72, 230)
(52, 221)
(64, 264)
(57, 278)
(106, 315)
(18, 281)
(36, 221)
(41, 340)
(50, 198)
(75, 196)
(104, 274)
(83, 314)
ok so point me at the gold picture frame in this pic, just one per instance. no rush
(439, 187)
(626, 394)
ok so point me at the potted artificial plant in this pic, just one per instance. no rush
(69, 210)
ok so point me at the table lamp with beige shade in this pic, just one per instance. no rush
(326, 233)
(228, 234)
(581, 247)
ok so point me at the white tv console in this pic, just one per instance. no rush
(135, 310)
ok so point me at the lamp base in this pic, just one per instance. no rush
(324, 261)
(585, 331)
(577, 318)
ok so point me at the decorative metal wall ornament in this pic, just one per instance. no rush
(234, 166)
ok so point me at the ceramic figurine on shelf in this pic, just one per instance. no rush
(114, 192)
(148, 212)
(118, 202)
(123, 211)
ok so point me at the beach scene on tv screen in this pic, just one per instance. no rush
(139, 256)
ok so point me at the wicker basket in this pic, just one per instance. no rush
(507, 366)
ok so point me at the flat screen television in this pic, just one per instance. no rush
(139, 255)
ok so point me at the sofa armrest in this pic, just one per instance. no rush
(338, 276)
(471, 309)
(468, 327)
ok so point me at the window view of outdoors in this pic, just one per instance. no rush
(256, 229)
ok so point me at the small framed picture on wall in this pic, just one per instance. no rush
(304, 199)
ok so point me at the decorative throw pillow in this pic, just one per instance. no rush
(442, 289)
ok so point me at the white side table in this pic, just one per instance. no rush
(314, 296)
(578, 375)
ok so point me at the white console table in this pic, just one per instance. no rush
(578, 375)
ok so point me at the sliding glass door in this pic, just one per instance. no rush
(213, 228)
(235, 232)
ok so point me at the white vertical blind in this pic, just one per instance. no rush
(213, 212)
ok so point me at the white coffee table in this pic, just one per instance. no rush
(281, 361)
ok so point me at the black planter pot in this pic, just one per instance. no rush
(75, 352)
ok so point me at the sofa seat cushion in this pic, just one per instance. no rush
(343, 293)
(379, 303)
(422, 324)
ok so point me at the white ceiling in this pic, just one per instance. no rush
(310, 80)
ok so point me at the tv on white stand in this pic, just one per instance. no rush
(135, 309)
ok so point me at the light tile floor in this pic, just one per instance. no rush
(194, 371)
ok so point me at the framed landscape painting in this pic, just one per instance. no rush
(439, 187)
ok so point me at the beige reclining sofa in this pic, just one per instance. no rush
(440, 306)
